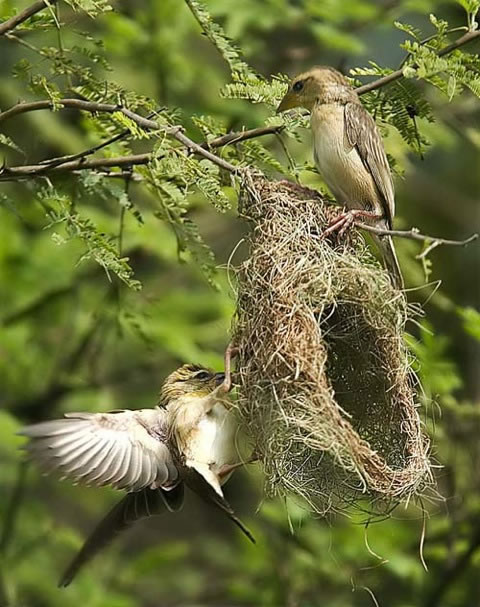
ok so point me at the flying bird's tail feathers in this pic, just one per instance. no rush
(385, 244)
(203, 489)
(133, 507)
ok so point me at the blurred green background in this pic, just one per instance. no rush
(74, 338)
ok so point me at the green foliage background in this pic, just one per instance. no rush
(107, 284)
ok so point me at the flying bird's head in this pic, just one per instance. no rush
(319, 85)
(190, 380)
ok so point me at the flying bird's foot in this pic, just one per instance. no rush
(227, 469)
(346, 220)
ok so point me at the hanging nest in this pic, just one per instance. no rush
(325, 386)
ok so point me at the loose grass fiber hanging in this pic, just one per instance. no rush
(325, 386)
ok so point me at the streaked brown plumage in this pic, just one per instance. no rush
(348, 150)
(189, 438)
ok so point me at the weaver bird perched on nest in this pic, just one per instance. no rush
(349, 153)
(151, 453)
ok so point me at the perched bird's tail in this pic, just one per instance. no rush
(133, 507)
(385, 244)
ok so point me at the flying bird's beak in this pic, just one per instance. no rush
(288, 102)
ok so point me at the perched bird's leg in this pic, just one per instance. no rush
(230, 352)
(345, 220)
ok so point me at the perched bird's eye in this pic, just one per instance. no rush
(298, 86)
(202, 375)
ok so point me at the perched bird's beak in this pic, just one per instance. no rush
(219, 378)
(288, 102)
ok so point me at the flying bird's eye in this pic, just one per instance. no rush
(298, 86)
(202, 375)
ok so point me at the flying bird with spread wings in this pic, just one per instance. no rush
(188, 439)
(348, 153)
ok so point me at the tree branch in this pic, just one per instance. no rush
(54, 162)
(124, 174)
(376, 84)
(414, 234)
(146, 123)
(16, 20)
(51, 163)
(361, 90)
(78, 104)
(176, 132)
(14, 173)
(20, 172)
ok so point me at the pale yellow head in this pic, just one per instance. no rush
(189, 380)
(319, 85)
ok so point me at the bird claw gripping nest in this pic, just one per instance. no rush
(326, 389)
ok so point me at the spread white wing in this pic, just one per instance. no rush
(128, 449)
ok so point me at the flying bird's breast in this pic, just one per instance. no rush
(337, 161)
(212, 441)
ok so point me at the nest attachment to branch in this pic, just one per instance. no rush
(326, 389)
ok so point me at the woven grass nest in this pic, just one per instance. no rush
(325, 385)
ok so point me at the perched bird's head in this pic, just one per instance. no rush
(190, 380)
(319, 85)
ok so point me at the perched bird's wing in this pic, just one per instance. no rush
(362, 133)
(133, 507)
(128, 449)
(195, 481)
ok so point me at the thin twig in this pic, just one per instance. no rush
(31, 47)
(79, 104)
(36, 170)
(123, 174)
(376, 84)
(17, 173)
(54, 162)
(237, 137)
(414, 234)
(16, 20)
(461, 28)
(13, 508)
